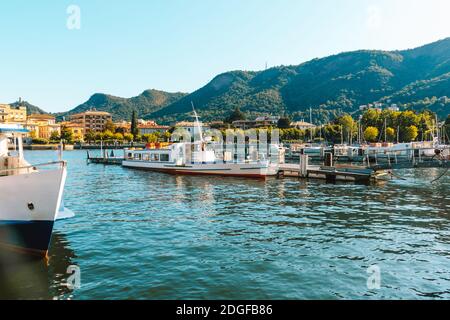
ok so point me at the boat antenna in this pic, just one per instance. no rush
(197, 122)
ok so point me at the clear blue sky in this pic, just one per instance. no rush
(125, 47)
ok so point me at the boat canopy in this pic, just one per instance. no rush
(12, 128)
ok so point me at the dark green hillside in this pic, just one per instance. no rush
(147, 102)
(330, 86)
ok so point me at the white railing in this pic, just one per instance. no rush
(30, 168)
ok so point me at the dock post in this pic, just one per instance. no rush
(328, 159)
(304, 162)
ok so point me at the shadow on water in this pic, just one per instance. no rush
(25, 277)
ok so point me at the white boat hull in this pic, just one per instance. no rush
(29, 204)
(250, 170)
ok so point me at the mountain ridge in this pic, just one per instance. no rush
(331, 85)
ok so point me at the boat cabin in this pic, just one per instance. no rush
(11, 149)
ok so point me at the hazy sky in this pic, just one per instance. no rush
(125, 47)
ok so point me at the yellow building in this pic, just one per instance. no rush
(76, 129)
(92, 120)
(10, 114)
(42, 126)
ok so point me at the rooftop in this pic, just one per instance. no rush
(149, 126)
(188, 124)
(92, 113)
(41, 116)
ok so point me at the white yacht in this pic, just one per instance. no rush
(205, 157)
(30, 199)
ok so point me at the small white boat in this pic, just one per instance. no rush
(30, 199)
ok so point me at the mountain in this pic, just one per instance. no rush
(331, 85)
(31, 109)
(415, 78)
(147, 102)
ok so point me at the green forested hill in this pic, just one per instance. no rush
(31, 109)
(335, 84)
(121, 108)
(415, 78)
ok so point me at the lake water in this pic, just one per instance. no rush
(142, 235)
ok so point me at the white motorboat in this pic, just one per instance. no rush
(30, 196)
(205, 157)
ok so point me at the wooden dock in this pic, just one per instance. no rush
(104, 159)
(332, 174)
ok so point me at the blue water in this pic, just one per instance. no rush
(142, 235)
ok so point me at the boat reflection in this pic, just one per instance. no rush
(27, 278)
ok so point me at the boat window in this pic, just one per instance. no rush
(165, 157)
(137, 156)
(146, 157)
(130, 155)
(154, 157)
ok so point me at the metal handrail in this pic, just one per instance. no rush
(62, 163)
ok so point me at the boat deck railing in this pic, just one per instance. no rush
(31, 168)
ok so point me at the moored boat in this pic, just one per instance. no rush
(30, 199)
(205, 157)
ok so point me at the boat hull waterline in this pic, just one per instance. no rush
(232, 170)
(29, 207)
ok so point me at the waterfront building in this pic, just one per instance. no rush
(190, 127)
(123, 126)
(152, 128)
(302, 125)
(394, 107)
(14, 115)
(146, 122)
(76, 129)
(260, 122)
(42, 126)
(92, 120)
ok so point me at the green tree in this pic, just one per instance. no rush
(371, 118)
(410, 133)
(128, 137)
(55, 136)
(89, 136)
(99, 136)
(150, 138)
(284, 123)
(390, 132)
(110, 126)
(332, 132)
(349, 127)
(236, 115)
(371, 134)
(118, 136)
(108, 135)
(137, 138)
(167, 136)
(134, 124)
(66, 134)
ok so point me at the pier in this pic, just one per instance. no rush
(105, 158)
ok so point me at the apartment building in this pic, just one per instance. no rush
(92, 120)
(42, 126)
(10, 114)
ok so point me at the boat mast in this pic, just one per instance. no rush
(437, 130)
(197, 122)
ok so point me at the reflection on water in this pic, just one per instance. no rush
(142, 235)
(25, 277)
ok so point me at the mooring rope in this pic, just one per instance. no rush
(443, 174)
